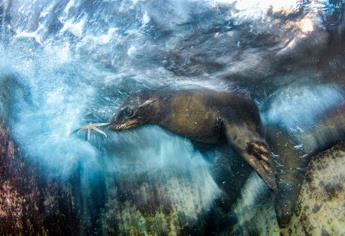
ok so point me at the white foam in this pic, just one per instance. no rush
(146, 18)
(74, 27)
(297, 107)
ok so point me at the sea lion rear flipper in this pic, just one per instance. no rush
(254, 150)
(291, 163)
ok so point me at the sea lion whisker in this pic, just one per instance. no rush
(147, 102)
(100, 131)
(101, 124)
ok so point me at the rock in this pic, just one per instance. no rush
(157, 203)
(320, 206)
(30, 205)
(321, 203)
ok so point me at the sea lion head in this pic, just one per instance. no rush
(136, 111)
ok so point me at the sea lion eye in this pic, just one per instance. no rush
(128, 112)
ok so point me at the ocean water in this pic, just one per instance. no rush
(66, 63)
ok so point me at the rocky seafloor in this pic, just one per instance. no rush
(320, 206)
(31, 204)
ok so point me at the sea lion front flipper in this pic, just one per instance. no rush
(254, 150)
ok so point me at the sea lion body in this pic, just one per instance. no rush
(189, 117)
(198, 115)
(204, 116)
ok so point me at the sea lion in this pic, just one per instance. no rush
(204, 116)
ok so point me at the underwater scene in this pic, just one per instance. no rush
(172, 117)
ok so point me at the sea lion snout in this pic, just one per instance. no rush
(118, 126)
(125, 119)
(133, 113)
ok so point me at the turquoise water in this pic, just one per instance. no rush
(68, 63)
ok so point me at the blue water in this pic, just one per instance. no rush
(72, 62)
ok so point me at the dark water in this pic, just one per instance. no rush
(66, 63)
